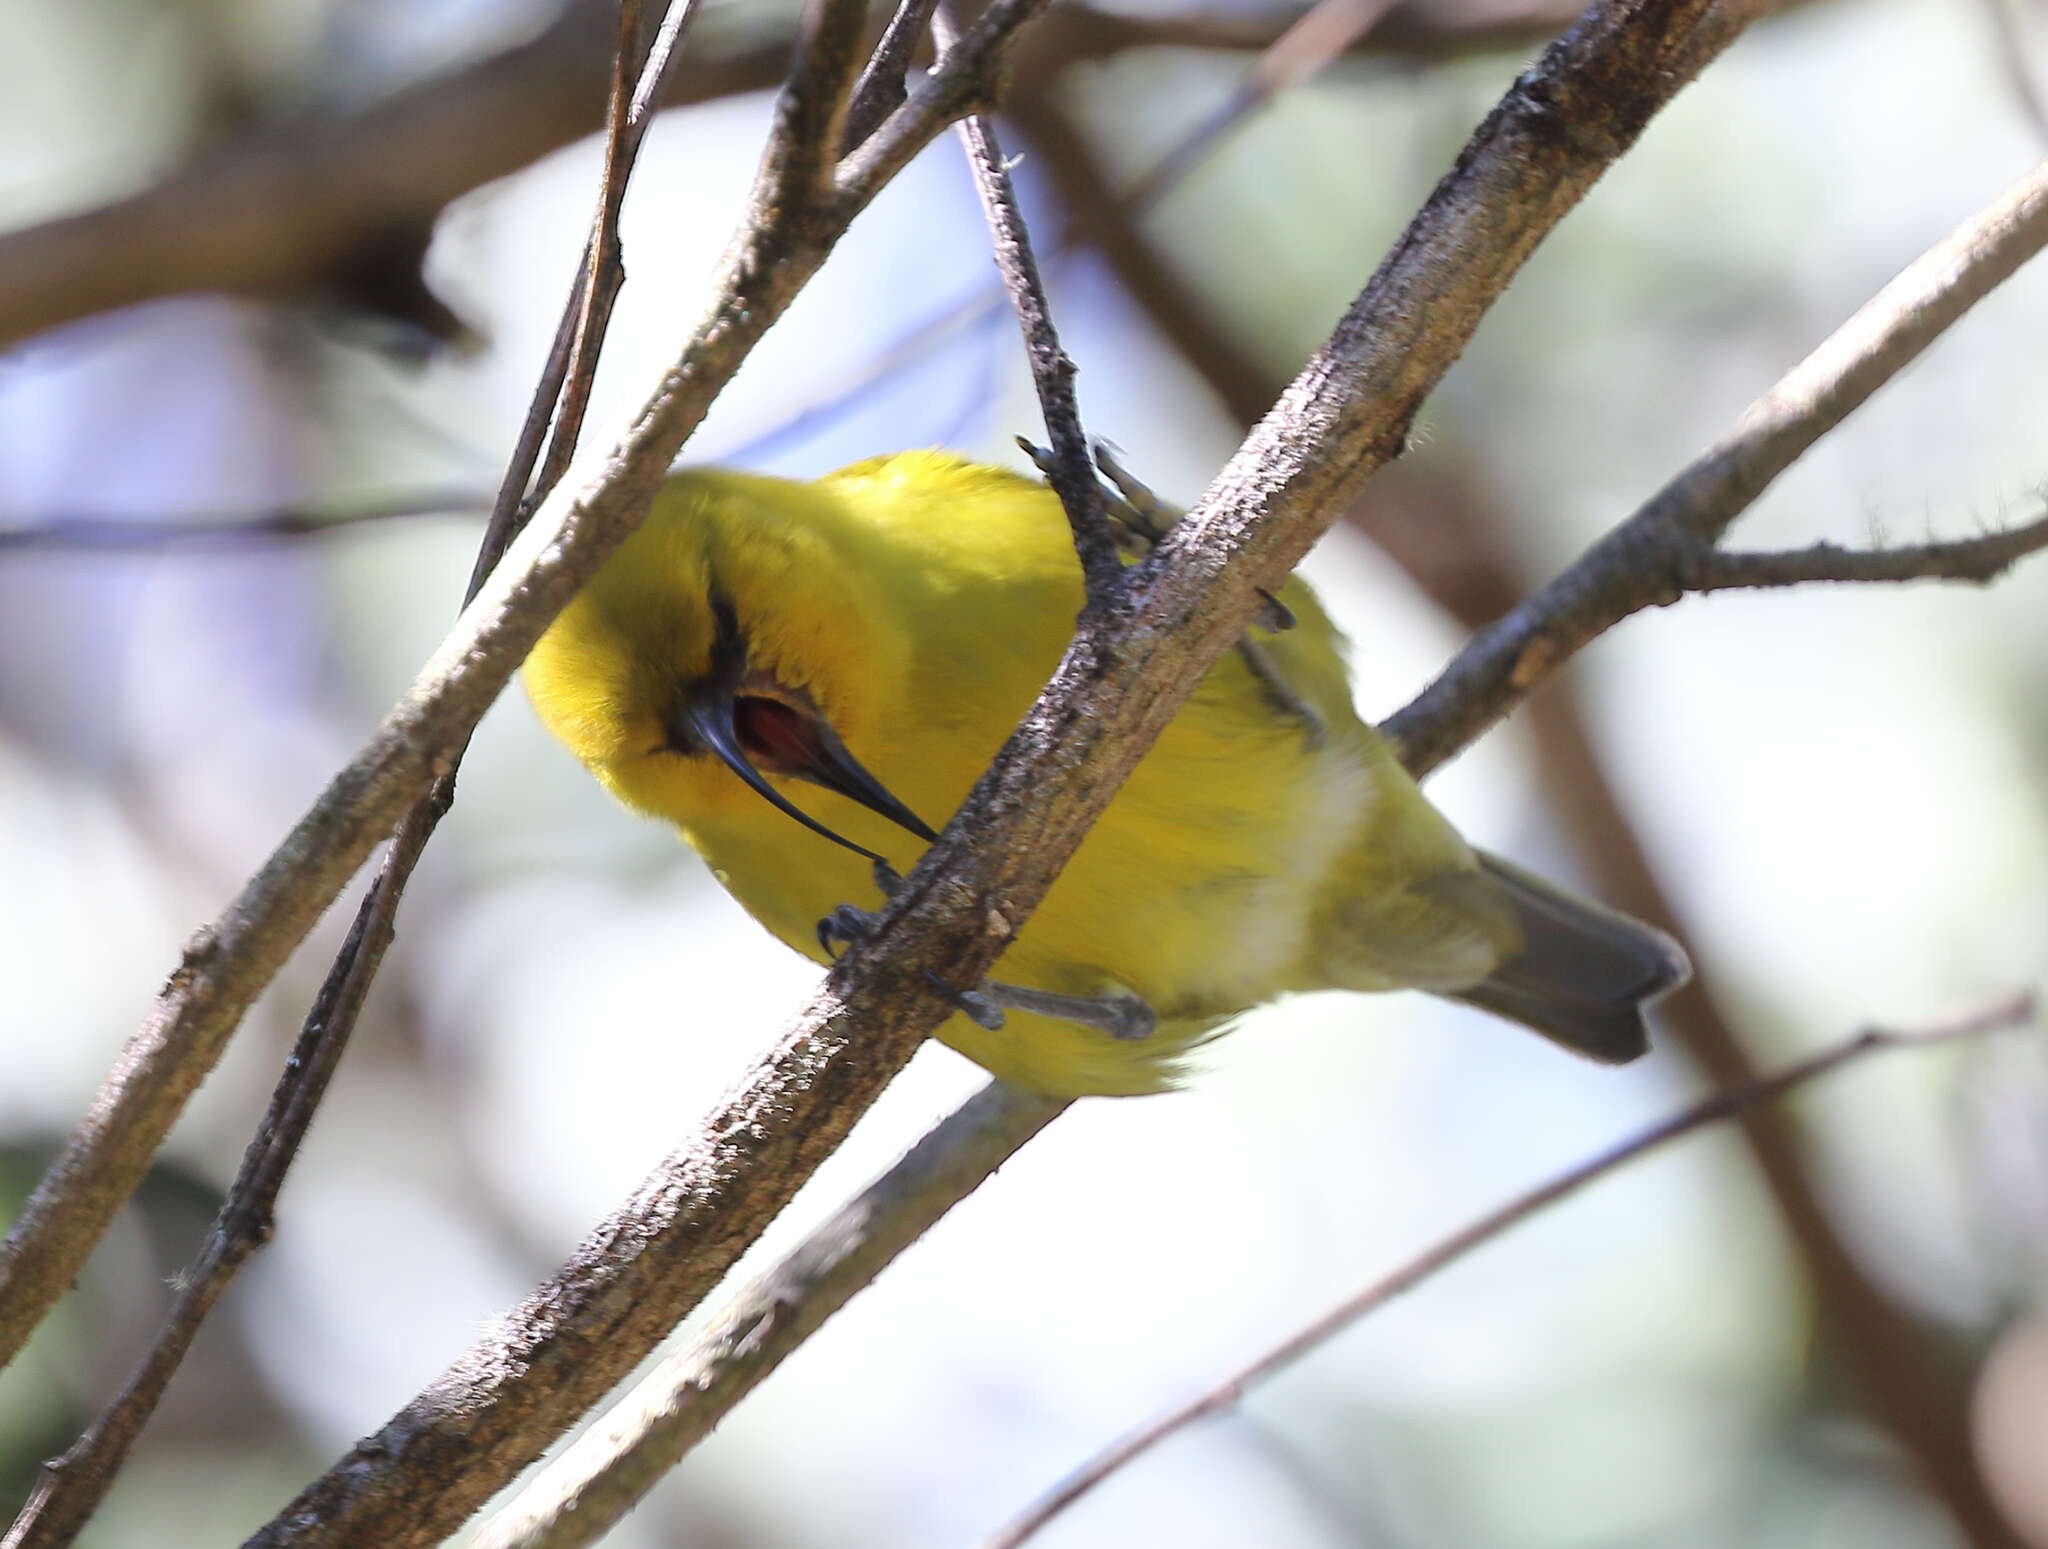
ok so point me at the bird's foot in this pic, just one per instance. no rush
(1124, 1017)
(847, 924)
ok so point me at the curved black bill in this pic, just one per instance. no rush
(833, 767)
(825, 762)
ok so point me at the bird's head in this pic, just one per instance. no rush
(738, 641)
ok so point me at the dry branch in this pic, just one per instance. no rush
(1977, 560)
(1069, 467)
(578, 1496)
(1645, 560)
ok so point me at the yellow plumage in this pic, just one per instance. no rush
(894, 620)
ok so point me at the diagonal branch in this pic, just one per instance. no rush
(1642, 562)
(1068, 467)
(584, 1492)
(885, 81)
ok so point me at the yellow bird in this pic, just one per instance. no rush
(807, 677)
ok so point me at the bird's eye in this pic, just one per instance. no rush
(775, 735)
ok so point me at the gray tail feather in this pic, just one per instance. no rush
(1584, 973)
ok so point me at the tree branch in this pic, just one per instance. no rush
(1100, 218)
(1643, 561)
(1069, 468)
(1978, 560)
(581, 1494)
(2013, 1012)
(885, 81)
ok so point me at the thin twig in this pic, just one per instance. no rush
(581, 1494)
(1977, 560)
(604, 272)
(1642, 562)
(1128, 670)
(1070, 470)
(2012, 1012)
(883, 83)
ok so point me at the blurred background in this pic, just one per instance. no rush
(1822, 1331)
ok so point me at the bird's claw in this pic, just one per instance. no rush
(846, 924)
(843, 927)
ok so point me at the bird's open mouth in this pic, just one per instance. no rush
(776, 736)
(755, 734)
